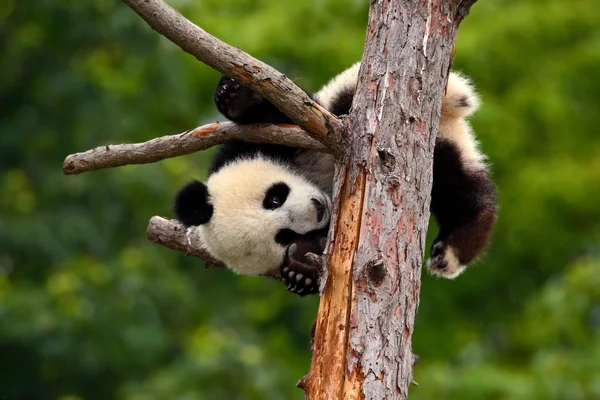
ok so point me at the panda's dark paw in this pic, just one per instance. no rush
(301, 269)
(234, 100)
(225, 93)
(443, 261)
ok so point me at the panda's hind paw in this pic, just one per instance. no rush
(300, 271)
(443, 261)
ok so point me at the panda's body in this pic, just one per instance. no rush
(230, 211)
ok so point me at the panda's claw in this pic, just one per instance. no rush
(444, 261)
(302, 265)
(300, 270)
(225, 93)
(302, 285)
(235, 101)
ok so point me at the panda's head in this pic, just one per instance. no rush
(250, 210)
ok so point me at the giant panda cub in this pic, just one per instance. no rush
(264, 207)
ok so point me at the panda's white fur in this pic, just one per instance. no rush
(346, 80)
(240, 232)
(459, 102)
(452, 271)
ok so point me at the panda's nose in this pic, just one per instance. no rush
(320, 209)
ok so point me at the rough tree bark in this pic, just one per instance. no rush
(369, 302)
(370, 291)
(233, 62)
(200, 138)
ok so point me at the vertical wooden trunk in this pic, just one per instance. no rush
(362, 346)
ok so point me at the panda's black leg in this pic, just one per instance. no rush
(302, 266)
(463, 201)
(240, 104)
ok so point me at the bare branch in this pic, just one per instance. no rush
(260, 77)
(197, 139)
(172, 234)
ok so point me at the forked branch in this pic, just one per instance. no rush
(231, 61)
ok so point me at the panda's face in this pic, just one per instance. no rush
(251, 210)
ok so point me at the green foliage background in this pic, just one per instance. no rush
(89, 309)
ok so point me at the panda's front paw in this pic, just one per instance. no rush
(444, 261)
(225, 94)
(300, 271)
(235, 101)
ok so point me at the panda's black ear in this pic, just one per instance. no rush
(191, 204)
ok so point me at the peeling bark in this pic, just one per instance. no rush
(326, 377)
(371, 293)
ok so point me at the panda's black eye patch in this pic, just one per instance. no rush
(276, 196)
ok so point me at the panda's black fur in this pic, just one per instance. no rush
(463, 194)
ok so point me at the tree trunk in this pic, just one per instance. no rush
(383, 183)
(362, 346)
